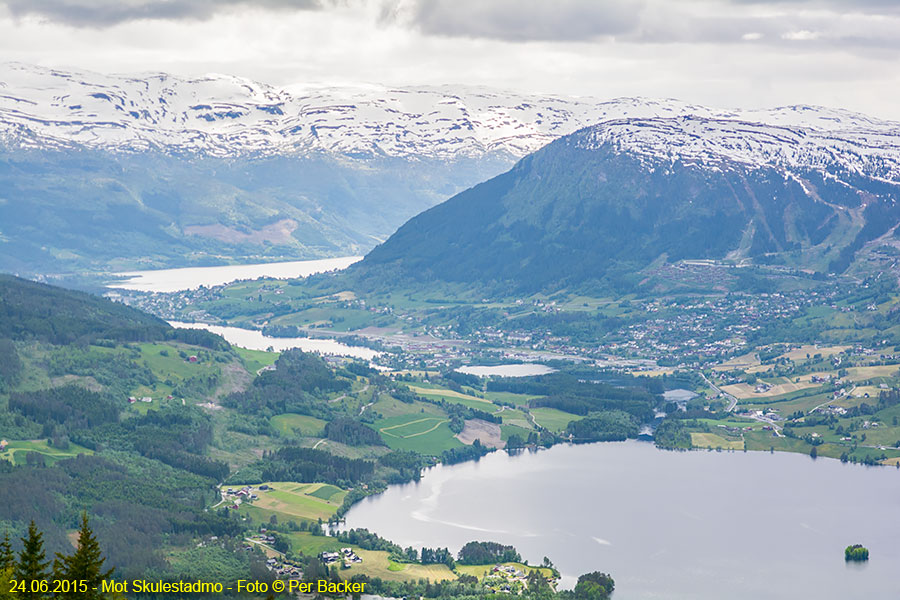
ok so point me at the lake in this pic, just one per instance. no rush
(191, 278)
(666, 525)
(514, 370)
(255, 340)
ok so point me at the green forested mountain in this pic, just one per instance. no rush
(581, 214)
(31, 310)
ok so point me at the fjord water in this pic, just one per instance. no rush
(191, 278)
(255, 340)
(514, 370)
(667, 525)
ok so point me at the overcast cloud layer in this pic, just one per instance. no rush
(719, 52)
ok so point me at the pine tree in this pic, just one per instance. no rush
(32, 568)
(7, 559)
(7, 568)
(84, 565)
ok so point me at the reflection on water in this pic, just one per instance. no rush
(666, 525)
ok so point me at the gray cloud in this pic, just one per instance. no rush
(106, 13)
(855, 25)
(523, 20)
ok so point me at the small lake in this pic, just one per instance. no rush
(191, 278)
(667, 525)
(515, 370)
(255, 340)
(680, 396)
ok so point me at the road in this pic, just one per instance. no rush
(732, 401)
(362, 390)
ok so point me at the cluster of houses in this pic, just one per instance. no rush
(508, 579)
(284, 568)
(245, 494)
(346, 555)
(832, 409)
(147, 399)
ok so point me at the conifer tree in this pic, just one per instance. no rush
(7, 559)
(32, 566)
(7, 568)
(84, 565)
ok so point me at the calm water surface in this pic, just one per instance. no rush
(515, 370)
(666, 525)
(255, 340)
(191, 278)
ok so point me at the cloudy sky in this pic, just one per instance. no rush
(747, 53)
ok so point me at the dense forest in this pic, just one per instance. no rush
(296, 385)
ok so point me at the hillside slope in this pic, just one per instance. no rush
(599, 206)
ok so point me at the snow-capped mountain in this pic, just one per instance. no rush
(221, 115)
(815, 138)
(153, 170)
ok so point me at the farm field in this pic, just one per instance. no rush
(375, 563)
(652, 372)
(290, 500)
(713, 440)
(798, 354)
(743, 362)
(452, 396)
(427, 434)
(515, 417)
(508, 430)
(16, 450)
(859, 373)
(379, 564)
(255, 360)
(509, 398)
(289, 424)
(789, 405)
(744, 391)
(552, 418)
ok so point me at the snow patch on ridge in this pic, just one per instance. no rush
(220, 115)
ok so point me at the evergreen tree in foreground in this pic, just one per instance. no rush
(85, 564)
(7, 559)
(7, 567)
(32, 566)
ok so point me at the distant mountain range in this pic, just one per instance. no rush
(102, 172)
(602, 207)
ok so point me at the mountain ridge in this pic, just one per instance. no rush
(117, 172)
(221, 115)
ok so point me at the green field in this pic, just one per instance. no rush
(290, 500)
(509, 398)
(378, 564)
(291, 424)
(553, 419)
(468, 400)
(713, 440)
(375, 563)
(508, 430)
(255, 360)
(17, 449)
(425, 432)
